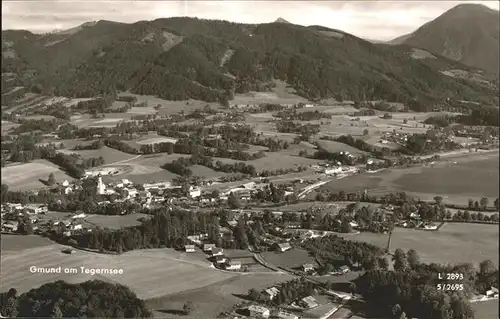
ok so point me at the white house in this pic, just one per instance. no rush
(233, 265)
(208, 247)
(270, 293)
(189, 248)
(76, 227)
(217, 252)
(492, 292)
(194, 193)
(220, 259)
(307, 267)
(282, 247)
(308, 302)
(258, 311)
(286, 315)
(65, 183)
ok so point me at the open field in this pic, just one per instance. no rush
(213, 299)
(110, 155)
(11, 244)
(115, 222)
(473, 176)
(332, 146)
(485, 309)
(453, 243)
(27, 176)
(293, 258)
(149, 273)
(145, 168)
(281, 94)
(156, 140)
(167, 107)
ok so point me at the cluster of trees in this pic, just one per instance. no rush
(337, 251)
(30, 126)
(162, 147)
(181, 166)
(96, 145)
(293, 115)
(411, 290)
(73, 164)
(164, 229)
(427, 143)
(340, 157)
(359, 144)
(481, 116)
(93, 299)
(289, 292)
(285, 126)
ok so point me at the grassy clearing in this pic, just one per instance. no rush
(213, 299)
(27, 176)
(115, 222)
(149, 273)
(156, 140)
(485, 309)
(475, 179)
(293, 258)
(12, 244)
(110, 155)
(332, 146)
(472, 177)
(453, 243)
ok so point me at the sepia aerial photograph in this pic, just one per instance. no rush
(250, 159)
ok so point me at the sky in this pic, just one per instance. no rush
(374, 20)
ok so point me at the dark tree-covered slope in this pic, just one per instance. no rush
(180, 58)
(90, 299)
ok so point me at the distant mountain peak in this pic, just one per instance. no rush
(467, 33)
(281, 20)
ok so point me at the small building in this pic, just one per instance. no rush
(308, 302)
(76, 227)
(307, 267)
(270, 293)
(217, 252)
(65, 183)
(189, 248)
(220, 259)
(492, 292)
(285, 315)
(233, 265)
(194, 193)
(344, 269)
(10, 226)
(282, 247)
(257, 311)
(208, 247)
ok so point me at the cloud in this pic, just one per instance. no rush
(381, 20)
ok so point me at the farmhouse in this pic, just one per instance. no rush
(492, 292)
(286, 315)
(208, 247)
(344, 269)
(270, 293)
(10, 226)
(282, 247)
(233, 265)
(33, 209)
(220, 259)
(307, 267)
(217, 252)
(308, 302)
(189, 248)
(257, 311)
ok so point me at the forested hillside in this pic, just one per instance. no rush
(180, 58)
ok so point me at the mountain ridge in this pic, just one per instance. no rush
(180, 58)
(468, 33)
